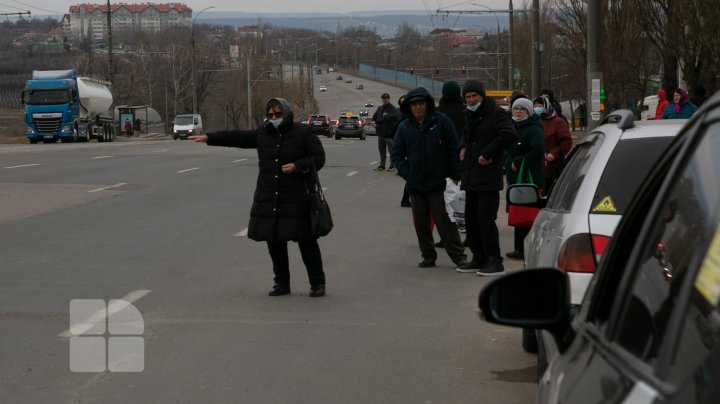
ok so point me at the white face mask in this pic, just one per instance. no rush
(474, 108)
(276, 122)
(519, 120)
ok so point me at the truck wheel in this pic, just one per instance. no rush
(33, 141)
(111, 133)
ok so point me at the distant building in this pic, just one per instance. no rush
(90, 20)
(249, 31)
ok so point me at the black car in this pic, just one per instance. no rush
(320, 123)
(349, 126)
(648, 329)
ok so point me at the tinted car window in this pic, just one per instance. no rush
(629, 164)
(353, 120)
(678, 281)
(566, 189)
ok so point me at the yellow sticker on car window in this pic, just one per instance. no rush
(605, 206)
(708, 279)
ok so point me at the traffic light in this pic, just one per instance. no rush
(412, 70)
(437, 70)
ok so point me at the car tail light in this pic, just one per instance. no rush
(581, 252)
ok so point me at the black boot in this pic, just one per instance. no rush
(317, 290)
(279, 290)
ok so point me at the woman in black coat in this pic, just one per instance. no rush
(281, 205)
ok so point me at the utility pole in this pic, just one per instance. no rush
(111, 70)
(594, 63)
(511, 82)
(535, 59)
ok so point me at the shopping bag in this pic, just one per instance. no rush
(321, 222)
(455, 202)
(522, 216)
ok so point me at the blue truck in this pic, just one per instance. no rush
(59, 105)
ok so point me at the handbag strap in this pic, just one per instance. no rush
(520, 175)
(318, 187)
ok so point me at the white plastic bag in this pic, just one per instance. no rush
(455, 202)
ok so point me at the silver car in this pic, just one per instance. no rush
(603, 172)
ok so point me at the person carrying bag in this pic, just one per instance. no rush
(321, 222)
(522, 216)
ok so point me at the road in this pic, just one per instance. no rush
(162, 223)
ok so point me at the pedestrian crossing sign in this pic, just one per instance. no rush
(606, 205)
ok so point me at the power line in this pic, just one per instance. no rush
(16, 8)
(37, 8)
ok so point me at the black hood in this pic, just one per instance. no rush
(419, 92)
(288, 116)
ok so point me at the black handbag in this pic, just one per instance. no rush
(321, 222)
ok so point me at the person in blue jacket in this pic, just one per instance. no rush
(425, 152)
(681, 107)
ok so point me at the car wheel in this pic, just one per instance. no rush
(337, 137)
(362, 137)
(529, 340)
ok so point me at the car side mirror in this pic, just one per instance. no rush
(525, 195)
(534, 298)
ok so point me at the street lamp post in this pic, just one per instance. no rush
(192, 59)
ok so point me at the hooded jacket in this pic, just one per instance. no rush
(530, 147)
(426, 153)
(558, 141)
(280, 209)
(662, 103)
(490, 132)
(454, 108)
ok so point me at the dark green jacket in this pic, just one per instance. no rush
(530, 147)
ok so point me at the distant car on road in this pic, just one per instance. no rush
(349, 126)
(339, 78)
(359, 86)
(330, 70)
(348, 80)
(369, 104)
(323, 89)
(320, 123)
(363, 112)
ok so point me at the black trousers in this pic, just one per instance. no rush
(310, 251)
(432, 204)
(482, 233)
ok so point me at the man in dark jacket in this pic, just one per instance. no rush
(281, 206)
(385, 120)
(425, 153)
(452, 105)
(489, 133)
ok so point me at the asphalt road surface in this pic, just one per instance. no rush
(162, 224)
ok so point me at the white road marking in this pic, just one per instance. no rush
(243, 233)
(160, 151)
(372, 163)
(351, 173)
(112, 308)
(111, 186)
(189, 169)
(101, 157)
(24, 165)
(237, 161)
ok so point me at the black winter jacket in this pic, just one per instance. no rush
(386, 117)
(454, 108)
(530, 147)
(490, 132)
(280, 210)
(425, 155)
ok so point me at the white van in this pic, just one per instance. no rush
(650, 104)
(187, 125)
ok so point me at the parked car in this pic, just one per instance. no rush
(330, 70)
(320, 123)
(647, 330)
(349, 126)
(359, 87)
(339, 78)
(602, 173)
(323, 89)
(348, 80)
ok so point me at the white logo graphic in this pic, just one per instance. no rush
(123, 350)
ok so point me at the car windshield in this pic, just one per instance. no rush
(618, 184)
(184, 120)
(47, 97)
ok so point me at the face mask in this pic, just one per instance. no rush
(539, 110)
(519, 120)
(276, 122)
(473, 108)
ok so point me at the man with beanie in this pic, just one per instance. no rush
(489, 133)
(425, 152)
(385, 121)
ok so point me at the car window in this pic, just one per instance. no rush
(564, 192)
(678, 278)
(629, 164)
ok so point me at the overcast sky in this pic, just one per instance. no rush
(45, 7)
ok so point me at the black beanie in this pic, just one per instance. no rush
(473, 86)
(451, 89)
